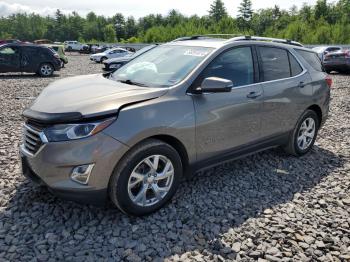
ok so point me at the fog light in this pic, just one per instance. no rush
(81, 174)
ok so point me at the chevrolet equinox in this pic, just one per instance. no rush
(131, 135)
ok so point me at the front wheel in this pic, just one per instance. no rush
(146, 178)
(304, 134)
(46, 70)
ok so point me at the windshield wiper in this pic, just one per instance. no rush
(129, 82)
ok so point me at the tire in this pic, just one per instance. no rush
(125, 189)
(103, 59)
(46, 70)
(69, 48)
(297, 146)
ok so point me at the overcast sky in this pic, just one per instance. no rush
(136, 8)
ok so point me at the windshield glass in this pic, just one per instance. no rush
(162, 66)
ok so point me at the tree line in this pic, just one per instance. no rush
(322, 23)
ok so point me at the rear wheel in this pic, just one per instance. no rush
(46, 70)
(304, 134)
(103, 59)
(146, 178)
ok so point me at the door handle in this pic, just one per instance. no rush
(301, 84)
(253, 95)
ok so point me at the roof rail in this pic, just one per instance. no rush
(267, 39)
(195, 37)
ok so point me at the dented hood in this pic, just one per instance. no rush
(81, 97)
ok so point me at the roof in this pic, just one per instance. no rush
(208, 41)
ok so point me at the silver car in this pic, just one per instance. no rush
(130, 136)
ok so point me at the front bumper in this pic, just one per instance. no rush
(52, 166)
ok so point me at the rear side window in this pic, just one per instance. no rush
(235, 65)
(312, 59)
(295, 67)
(275, 63)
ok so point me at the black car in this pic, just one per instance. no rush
(115, 63)
(28, 58)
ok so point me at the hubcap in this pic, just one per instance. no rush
(306, 133)
(46, 70)
(151, 180)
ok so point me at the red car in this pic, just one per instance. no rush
(337, 61)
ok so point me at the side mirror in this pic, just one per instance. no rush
(215, 85)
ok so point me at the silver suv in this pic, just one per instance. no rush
(131, 135)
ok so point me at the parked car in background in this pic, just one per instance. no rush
(59, 49)
(323, 50)
(110, 53)
(115, 63)
(337, 61)
(9, 41)
(133, 134)
(72, 45)
(28, 58)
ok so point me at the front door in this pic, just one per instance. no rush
(225, 121)
(9, 59)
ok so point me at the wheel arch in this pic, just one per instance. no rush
(177, 145)
(317, 109)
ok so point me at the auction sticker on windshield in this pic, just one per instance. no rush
(196, 52)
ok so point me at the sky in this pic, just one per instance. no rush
(136, 8)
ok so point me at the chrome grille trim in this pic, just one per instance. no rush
(33, 140)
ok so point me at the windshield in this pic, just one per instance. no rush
(162, 66)
(143, 50)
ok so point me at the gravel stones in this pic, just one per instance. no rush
(266, 207)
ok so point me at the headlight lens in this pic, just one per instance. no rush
(64, 132)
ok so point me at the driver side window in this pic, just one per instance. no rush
(8, 51)
(235, 64)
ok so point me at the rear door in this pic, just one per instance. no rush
(30, 58)
(287, 88)
(10, 59)
(228, 120)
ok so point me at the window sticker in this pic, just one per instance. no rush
(196, 52)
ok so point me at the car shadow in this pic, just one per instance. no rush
(204, 208)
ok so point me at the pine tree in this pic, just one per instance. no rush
(245, 10)
(217, 10)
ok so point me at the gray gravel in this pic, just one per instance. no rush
(267, 207)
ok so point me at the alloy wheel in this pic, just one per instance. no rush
(306, 133)
(151, 180)
(46, 70)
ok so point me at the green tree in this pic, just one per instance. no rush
(109, 33)
(245, 10)
(217, 10)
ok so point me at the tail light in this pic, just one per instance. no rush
(347, 54)
(56, 55)
(329, 81)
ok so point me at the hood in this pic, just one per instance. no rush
(88, 96)
(118, 59)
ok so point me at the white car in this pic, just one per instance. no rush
(110, 53)
(73, 46)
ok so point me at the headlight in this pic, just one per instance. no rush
(64, 132)
(115, 66)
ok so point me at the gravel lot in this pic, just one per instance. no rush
(267, 207)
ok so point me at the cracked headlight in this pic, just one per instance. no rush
(65, 132)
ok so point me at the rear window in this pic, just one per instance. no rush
(275, 63)
(312, 59)
(295, 67)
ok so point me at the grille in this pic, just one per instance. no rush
(32, 138)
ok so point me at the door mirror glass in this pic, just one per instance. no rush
(215, 85)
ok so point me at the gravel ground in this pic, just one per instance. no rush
(267, 207)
